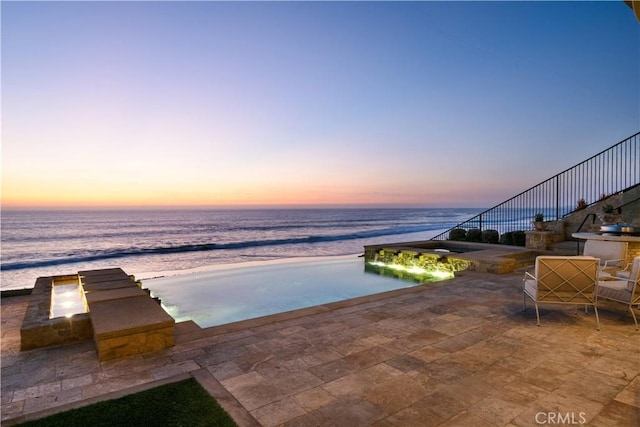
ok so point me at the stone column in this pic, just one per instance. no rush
(539, 240)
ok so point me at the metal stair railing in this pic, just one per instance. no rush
(609, 172)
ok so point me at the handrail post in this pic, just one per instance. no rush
(557, 197)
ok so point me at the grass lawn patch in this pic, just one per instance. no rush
(183, 403)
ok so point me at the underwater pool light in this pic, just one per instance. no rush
(418, 271)
(443, 274)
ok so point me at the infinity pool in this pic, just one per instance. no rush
(239, 292)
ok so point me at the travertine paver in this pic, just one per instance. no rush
(455, 353)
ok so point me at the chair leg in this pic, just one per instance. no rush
(634, 316)
(597, 318)
(537, 314)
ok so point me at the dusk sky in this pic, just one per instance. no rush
(435, 104)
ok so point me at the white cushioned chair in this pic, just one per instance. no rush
(623, 291)
(563, 280)
(611, 254)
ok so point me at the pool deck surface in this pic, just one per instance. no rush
(455, 353)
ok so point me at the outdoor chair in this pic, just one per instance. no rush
(623, 291)
(611, 254)
(563, 280)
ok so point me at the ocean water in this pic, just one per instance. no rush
(152, 243)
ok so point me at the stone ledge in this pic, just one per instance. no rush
(127, 316)
(130, 326)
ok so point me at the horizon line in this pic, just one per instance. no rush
(232, 207)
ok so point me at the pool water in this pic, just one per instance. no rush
(66, 299)
(238, 292)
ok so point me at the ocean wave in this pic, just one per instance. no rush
(195, 230)
(200, 247)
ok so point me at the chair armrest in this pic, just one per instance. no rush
(627, 267)
(612, 261)
(528, 275)
(612, 284)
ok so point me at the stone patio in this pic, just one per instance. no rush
(455, 353)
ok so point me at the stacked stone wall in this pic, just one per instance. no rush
(633, 251)
(576, 218)
(631, 210)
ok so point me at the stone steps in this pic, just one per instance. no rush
(121, 317)
(126, 321)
